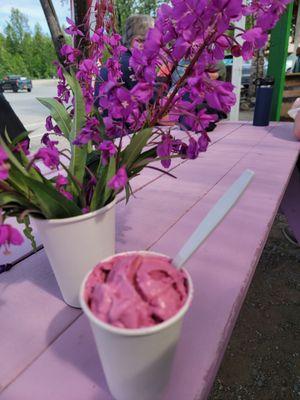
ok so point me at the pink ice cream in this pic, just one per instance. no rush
(134, 291)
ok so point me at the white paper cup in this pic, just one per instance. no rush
(137, 362)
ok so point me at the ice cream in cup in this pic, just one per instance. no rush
(135, 303)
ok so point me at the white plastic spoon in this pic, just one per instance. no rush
(213, 218)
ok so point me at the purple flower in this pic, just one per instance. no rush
(87, 68)
(108, 150)
(61, 181)
(193, 149)
(49, 155)
(4, 167)
(142, 92)
(254, 38)
(203, 142)
(97, 38)
(69, 52)
(118, 181)
(8, 236)
(220, 95)
(66, 194)
(22, 146)
(89, 132)
(57, 130)
(72, 29)
(164, 150)
(49, 124)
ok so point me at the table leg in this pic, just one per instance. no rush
(290, 204)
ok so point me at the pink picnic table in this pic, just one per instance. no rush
(47, 350)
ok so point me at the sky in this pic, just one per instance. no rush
(33, 10)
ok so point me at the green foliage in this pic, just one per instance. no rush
(79, 154)
(125, 8)
(23, 52)
(59, 113)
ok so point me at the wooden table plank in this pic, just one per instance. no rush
(30, 300)
(225, 277)
(163, 185)
(146, 178)
(144, 201)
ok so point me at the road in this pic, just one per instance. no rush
(30, 111)
(26, 106)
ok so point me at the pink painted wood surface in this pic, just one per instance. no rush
(160, 218)
(17, 251)
(147, 176)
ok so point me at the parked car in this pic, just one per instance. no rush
(246, 69)
(15, 83)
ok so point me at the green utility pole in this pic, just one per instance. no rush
(277, 59)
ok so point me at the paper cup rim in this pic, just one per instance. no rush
(78, 218)
(139, 331)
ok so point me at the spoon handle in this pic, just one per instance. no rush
(213, 218)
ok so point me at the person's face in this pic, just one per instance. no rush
(138, 41)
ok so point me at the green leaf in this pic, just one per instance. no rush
(52, 203)
(135, 147)
(11, 198)
(102, 192)
(16, 181)
(28, 231)
(12, 159)
(110, 173)
(58, 113)
(79, 154)
(129, 192)
(20, 138)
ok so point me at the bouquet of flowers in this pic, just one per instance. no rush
(114, 134)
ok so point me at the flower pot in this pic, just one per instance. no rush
(137, 362)
(75, 245)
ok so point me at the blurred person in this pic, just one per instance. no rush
(294, 113)
(136, 29)
(296, 67)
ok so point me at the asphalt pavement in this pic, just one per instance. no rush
(29, 110)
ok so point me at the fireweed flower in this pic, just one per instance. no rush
(72, 29)
(119, 180)
(203, 142)
(60, 183)
(89, 132)
(190, 32)
(22, 146)
(4, 167)
(49, 155)
(49, 124)
(164, 150)
(9, 236)
(70, 53)
(108, 149)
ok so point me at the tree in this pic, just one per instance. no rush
(24, 53)
(57, 34)
(125, 8)
(15, 31)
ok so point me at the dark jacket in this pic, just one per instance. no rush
(9, 121)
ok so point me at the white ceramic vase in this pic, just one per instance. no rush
(75, 245)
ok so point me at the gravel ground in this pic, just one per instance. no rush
(262, 361)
